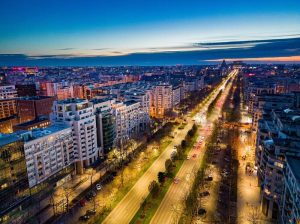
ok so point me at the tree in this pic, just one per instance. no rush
(153, 188)
(161, 177)
(254, 215)
(168, 165)
(183, 144)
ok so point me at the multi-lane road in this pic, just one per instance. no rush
(129, 205)
(169, 210)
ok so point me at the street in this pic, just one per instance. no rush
(166, 212)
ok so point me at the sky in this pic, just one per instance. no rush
(124, 32)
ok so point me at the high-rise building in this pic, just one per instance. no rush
(105, 123)
(161, 100)
(47, 152)
(128, 119)
(79, 114)
(278, 136)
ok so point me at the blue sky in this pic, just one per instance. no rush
(119, 28)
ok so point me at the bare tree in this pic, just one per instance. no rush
(254, 215)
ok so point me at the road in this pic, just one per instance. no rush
(129, 205)
(166, 212)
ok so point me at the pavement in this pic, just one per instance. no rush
(165, 213)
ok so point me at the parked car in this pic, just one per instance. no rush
(90, 212)
(204, 194)
(176, 180)
(82, 202)
(98, 187)
(209, 178)
(84, 217)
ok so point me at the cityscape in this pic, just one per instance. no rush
(161, 112)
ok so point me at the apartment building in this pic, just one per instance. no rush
(278, 136)
(161, 100)
(127, 119)
(79, 114)
(48, 151)
(8, 92)
(143, 97)
(290, 211)
(105, 122)
(7, 108)
(176, 90)
(266, 103)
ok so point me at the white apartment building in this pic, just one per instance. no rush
(143, 97)
(79, 114)
(8, 92)
(161, 100)
(47, 151)
(127, 118)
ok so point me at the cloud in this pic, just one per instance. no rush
(271, 49)
(66, 49)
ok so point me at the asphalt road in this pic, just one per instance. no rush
(129, 205)
(167, 212)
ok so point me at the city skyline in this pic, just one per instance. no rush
(155, 33)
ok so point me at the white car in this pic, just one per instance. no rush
(98, 187)
(188, 157)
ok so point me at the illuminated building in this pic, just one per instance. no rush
(290, 211)
(278, 136)
(79, 114)
(161, 101)
(8, 92)
(14, 188)
(47, 152)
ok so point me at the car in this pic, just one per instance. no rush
(98, 187)
(209, 178)
(188, 157)
(90, 212)
(204, 194)
(176, 180)
(84, 217)
(82, 202)
(201, 211)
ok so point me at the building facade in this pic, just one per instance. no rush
(79, 114)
